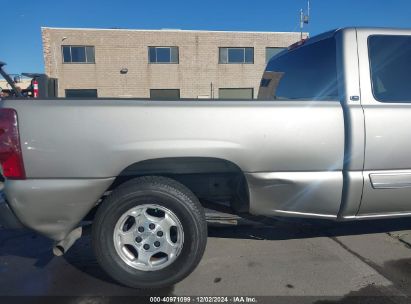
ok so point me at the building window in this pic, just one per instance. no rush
(161, 94)
(81, 93)
(236, 93)
(271, 52)
(78, 54)
(236, 55)
(163, 54)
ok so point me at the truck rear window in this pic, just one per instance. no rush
(390, 64)
(308, 72)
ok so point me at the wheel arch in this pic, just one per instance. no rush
(222, 176)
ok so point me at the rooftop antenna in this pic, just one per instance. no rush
(304, 18)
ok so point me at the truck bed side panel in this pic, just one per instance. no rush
(99, 138)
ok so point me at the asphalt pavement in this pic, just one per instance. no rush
(315, 262)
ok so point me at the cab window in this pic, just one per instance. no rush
(308, 72)
(390, 67)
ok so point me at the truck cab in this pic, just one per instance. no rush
(365, 71)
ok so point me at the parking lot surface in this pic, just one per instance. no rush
(319, 262)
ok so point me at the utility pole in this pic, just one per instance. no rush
(304, 18)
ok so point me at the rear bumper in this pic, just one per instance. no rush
(7, 217)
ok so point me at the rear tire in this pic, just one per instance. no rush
(140, 213)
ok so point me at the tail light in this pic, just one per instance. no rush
(11, 158)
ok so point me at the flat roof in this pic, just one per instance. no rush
(165, 30)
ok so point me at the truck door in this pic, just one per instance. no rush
(385, 79)
(303, 175)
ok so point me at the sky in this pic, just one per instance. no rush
(21, 21)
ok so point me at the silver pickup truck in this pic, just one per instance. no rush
(329, 138)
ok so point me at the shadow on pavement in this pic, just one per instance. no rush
(27, 244)
(65, 281)
(283, 229)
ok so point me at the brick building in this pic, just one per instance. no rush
(159, 63)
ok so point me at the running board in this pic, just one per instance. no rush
(219, 218)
